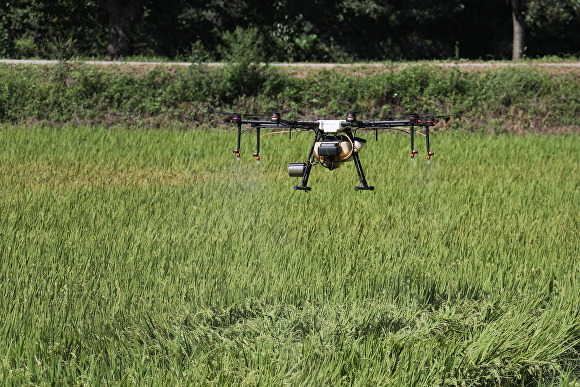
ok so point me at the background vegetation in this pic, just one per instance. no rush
(291, 30)
(520, 99)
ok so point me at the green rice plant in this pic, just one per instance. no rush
(155, 257)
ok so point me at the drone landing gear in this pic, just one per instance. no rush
(361, 175)
(305, 175)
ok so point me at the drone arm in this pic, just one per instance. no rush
(385, 123)
(306, 125)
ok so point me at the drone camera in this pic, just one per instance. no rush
(296, 169)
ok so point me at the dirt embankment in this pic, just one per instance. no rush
(302, 68)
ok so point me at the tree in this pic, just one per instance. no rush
(553, 27)
(123, 16)
(293, 30)
(35, 28)
(519, 28)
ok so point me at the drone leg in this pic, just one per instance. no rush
(304, 183)
(361, 175)
(428, 144)
(237, 150)
(257, 153)
(413, 150)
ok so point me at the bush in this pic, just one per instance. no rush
(522, 99)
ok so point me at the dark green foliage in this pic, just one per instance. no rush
(6, 44)
(244, 75)
(34, 25)
(294, 30)
(520, 99)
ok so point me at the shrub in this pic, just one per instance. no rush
(522, 98)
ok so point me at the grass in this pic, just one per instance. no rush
(155, 257)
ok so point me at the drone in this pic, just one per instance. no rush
(335, 142)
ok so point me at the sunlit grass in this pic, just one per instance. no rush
(150, 257)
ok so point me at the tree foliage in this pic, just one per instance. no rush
(291, 30)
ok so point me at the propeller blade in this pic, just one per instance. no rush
(212, 111)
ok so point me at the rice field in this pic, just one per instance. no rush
(135, 257)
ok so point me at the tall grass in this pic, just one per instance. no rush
(155, 257)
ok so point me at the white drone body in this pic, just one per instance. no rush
(331, 126)
(333, 150)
